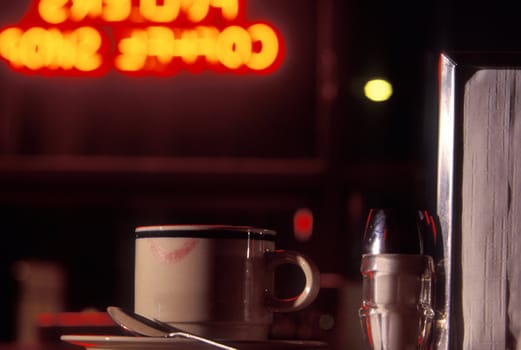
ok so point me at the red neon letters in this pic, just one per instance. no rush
(139, 37)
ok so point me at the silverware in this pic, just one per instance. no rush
(143, 326)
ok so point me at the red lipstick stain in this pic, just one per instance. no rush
(175, 255)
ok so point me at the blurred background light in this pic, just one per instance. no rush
(303, 224)
(378, 90)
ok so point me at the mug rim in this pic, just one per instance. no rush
(204, 231)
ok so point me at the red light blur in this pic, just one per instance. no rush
(74, 319)
(303, 224)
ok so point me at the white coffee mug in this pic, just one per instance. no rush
(215, 281)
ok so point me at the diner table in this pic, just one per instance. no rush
(96, 330)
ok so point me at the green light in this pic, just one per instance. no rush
(378, 90)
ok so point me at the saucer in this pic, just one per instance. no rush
(115, 342)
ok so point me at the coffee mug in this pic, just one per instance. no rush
(215, 281)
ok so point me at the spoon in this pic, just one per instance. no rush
(143, 326)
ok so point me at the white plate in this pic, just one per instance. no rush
(114, 342)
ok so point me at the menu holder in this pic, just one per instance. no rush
(479, 199)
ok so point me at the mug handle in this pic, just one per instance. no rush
(311, 287)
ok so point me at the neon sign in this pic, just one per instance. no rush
(139, 37)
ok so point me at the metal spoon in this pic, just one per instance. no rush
(140, 325)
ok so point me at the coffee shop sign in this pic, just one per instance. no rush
(139, 37)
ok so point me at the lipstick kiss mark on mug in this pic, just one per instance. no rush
(175, 255)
